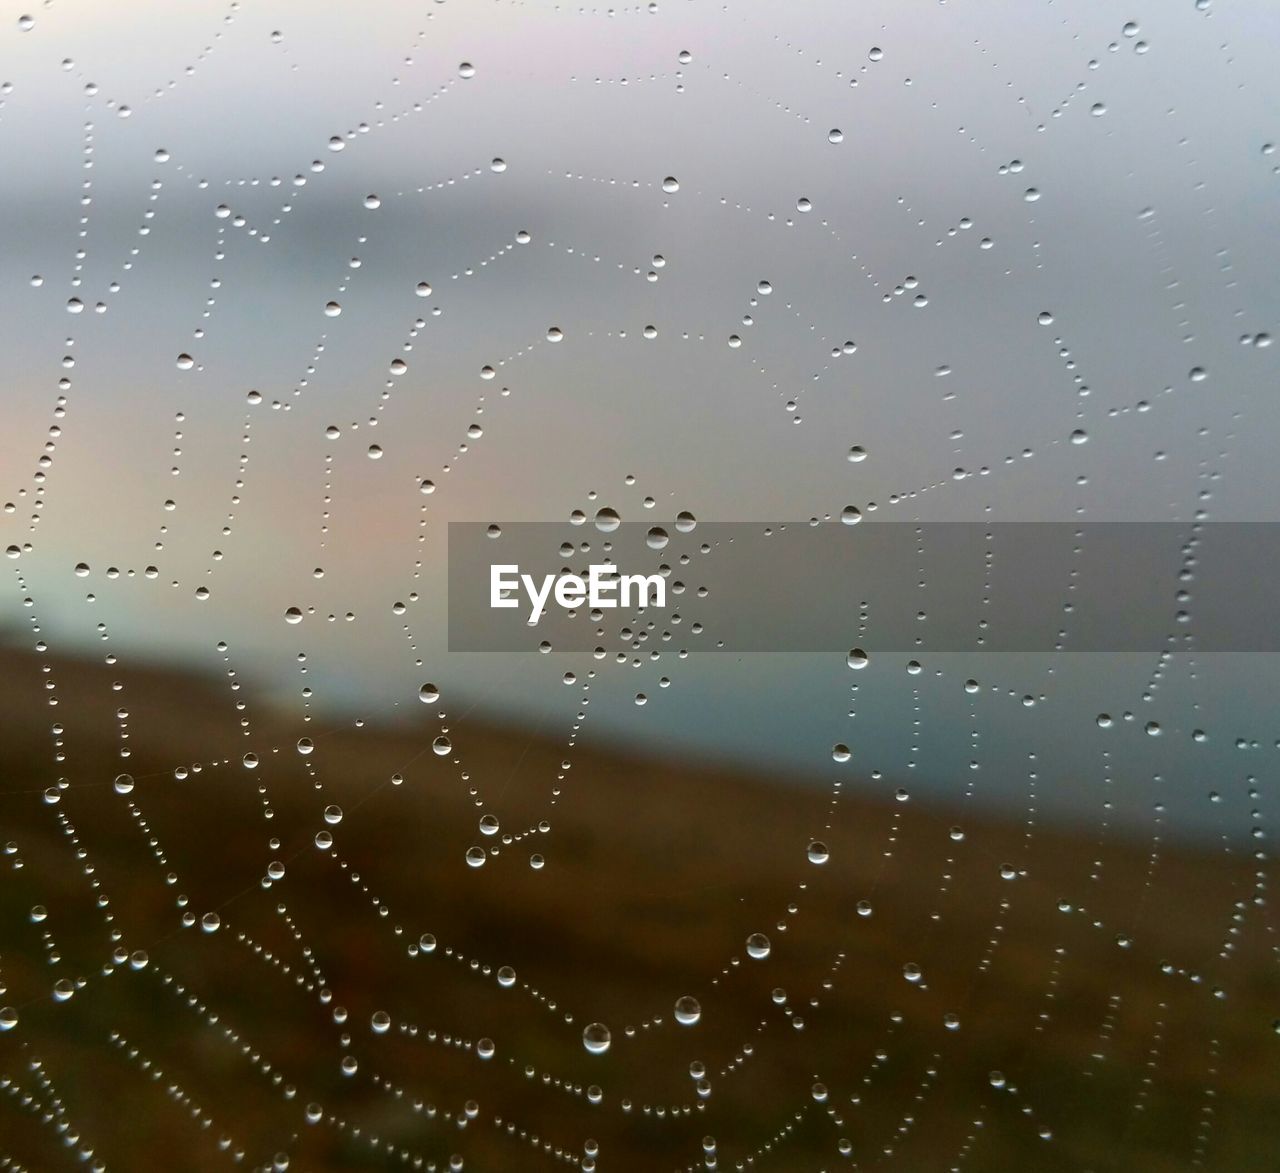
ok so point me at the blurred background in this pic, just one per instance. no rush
(290, 884)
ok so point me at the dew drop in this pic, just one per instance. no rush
(758, 946)
(596, 1038)
(687, 1010)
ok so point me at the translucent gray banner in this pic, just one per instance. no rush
(874, 586)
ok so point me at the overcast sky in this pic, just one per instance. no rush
(949, 235)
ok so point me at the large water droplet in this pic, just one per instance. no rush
(596, 1038)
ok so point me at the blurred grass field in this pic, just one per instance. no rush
(1110, 1007)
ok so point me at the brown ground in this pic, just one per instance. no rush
(656, 874)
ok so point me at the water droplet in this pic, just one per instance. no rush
(596, 1038)
(687, 1010)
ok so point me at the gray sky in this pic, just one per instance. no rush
(1151, 247)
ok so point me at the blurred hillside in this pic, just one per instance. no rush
(1080, 1003)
